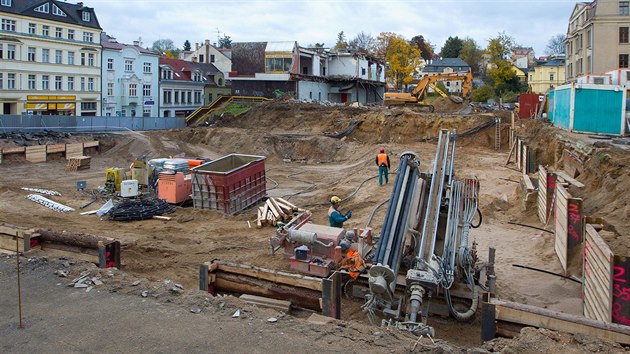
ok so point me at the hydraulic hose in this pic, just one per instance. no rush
(374, 211)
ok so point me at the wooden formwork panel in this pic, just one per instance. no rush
(519, 153)
(36, 153)
(598, 274)
(560, 212)
(542, 194)
(55, 148)
(74, 150)
(90, 144)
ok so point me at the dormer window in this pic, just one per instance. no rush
(6, 3)
(86, 16)
(44, 8)
(57, 11)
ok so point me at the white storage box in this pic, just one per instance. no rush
(129, 188)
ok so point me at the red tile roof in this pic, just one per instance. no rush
(180, 67)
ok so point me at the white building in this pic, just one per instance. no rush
(130, 79)
(210, 54)
(181, 88)
(50, 58)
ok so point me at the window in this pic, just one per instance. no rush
(627, 75)
(70, 34)
(58, 55)
(58, 83)
(278, 64)
(57, 11)
(220, 82)
(8, 25)
(623, 7)
(197, 97)
(70, 58)
(1, 81)
(623, 34)
(146, 112)
(110, 64)
(166, 97)
(623, 60)
(31, 54)
(88, 106)
(82, 58)
(588, 38)
(551, 77)
(146, 90)
(167, 75)
(212, 58)
(363, 71)
(189, 97)
(201, 58)
(6, 3)
(147, 68)
(598, 80)
(133, 90)
(90, 59)
(90, 84)
(82, 84)
(45, 55)
(128, 65)
(11, 51)
(86, 16)
(45, 82)
(45, 8)
(110, 89)
(167, 113)
(58, 32)
(31, 82)
(70, 84)
(11, 81)
(176, 96)
(32, 28)
(88, 37)
(45, 30)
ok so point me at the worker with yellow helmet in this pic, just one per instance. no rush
(335, 218)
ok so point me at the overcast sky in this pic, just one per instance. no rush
(529, 22)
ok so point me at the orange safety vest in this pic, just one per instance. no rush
(382, 159)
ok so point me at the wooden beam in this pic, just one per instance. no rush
(281, 305)
(296, 280)
(569, 179)
(532, 316)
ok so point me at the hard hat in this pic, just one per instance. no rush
(382, 149)
(335, 199)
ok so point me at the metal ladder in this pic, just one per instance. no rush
(497, 134)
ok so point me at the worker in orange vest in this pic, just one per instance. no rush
(382, 161)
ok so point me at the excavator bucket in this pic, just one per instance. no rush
(456, 99)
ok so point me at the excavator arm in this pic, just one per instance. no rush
(418, 94)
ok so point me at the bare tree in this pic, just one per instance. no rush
(363, 42)
(555, 46)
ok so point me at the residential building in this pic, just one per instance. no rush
(597, 38)
(312, 74)
(181, 88)
(523, 57)
(209, 54)
(447, 65)
(547, 74)
(130, 79)
(214, 82)
(50, 58)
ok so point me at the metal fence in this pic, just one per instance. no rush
(87, 124)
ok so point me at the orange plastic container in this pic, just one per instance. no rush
(175, 188)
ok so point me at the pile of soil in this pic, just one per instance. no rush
(445, 105)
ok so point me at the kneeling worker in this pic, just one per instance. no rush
(335, 218)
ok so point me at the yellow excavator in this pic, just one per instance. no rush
(418, 94)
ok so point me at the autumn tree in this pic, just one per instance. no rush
(555, 46)
(225, 42)
(187, 46)
(363, 42)
(165, 47)
(502, 77)
(472, 55)
(452, 47)
(341, 41)
(402, 59)
(382, 43)
(426, 48)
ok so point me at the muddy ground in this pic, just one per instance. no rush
(307, 167)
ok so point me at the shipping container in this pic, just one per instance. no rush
(229, 184)
(529, 105)
(593, 109)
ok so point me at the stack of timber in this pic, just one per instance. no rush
(36, 154)
(27, 239)
(78, 163)
(276, 210)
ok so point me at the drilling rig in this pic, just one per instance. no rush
(425, 237)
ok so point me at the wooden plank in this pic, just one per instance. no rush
(74, 150)
(271, 275)
(56, 148)
(596, 298)
(569, 179)
(285, 202)
(281, 305)
(542, 194)
(598, 240)
(8, 243)
(543, 318)
(52, 250)
(90, 144)
(36, 154)
(528, 183)
(272, 209)
(13, 150)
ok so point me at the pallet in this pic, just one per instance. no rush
(78, 163)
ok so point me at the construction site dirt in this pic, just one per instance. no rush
(306, 165)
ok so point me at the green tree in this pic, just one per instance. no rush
(187, 46)
(165, 47)
(426, 48)
(452, 47)
(403, 59)
(502, 76)
(472, 55)
(225, 42)
(440, 85)
(341, 41)
(500, 47)
(483, 93)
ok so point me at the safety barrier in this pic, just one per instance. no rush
(10, 123)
